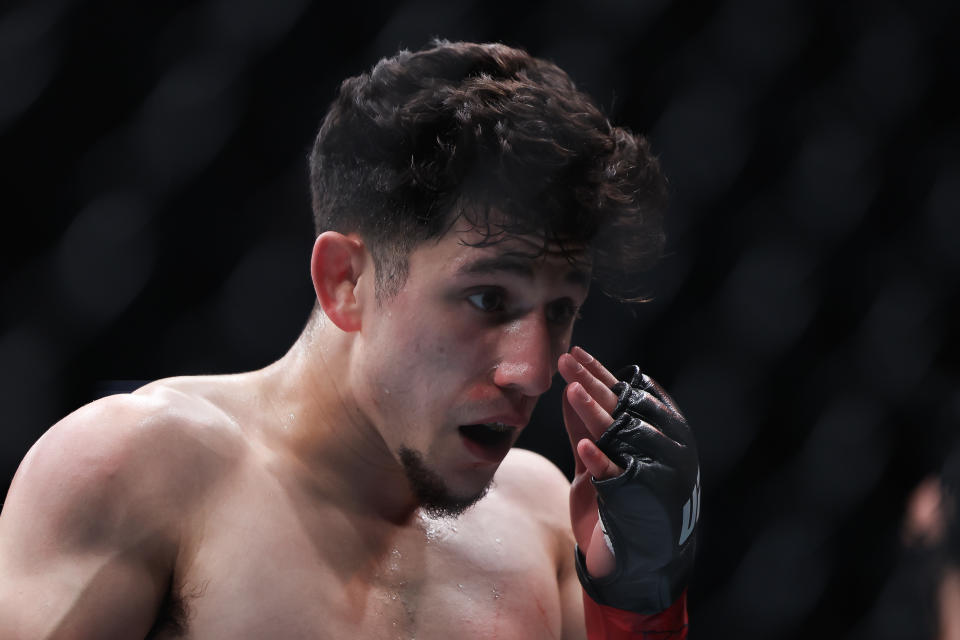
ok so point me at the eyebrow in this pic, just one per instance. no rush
(519, 264)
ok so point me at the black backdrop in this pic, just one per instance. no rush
(156, 222)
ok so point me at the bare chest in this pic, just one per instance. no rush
(279, 571)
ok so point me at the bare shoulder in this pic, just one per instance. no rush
(128, 459)
(536, 483)
(100, 509)
(528, 466)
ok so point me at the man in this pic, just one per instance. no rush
(364, 486)
(931, 533)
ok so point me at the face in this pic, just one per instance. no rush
(450, 368)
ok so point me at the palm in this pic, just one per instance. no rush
(583, 497)
(583, 510)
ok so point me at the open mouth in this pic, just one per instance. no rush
(489, 441)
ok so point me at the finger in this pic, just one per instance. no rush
(649, 442)
(661, 417)
(594, 366)
(594, 417)
(652, 387)
(596, 461)
(576, 430)
(572, 371)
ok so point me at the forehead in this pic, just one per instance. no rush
(467, 250)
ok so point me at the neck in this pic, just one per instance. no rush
(324, 432)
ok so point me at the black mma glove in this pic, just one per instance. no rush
(650, 511)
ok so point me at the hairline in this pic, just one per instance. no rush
(400, 263)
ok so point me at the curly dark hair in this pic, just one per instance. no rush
(488, 133)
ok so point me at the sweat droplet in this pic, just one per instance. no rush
(394, 564)
(435, 529)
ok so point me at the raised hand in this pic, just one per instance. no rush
(588, 403)
(637, 461)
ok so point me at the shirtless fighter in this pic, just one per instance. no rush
(364, 486)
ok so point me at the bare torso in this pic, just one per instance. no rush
(268, 562)
(267, 555)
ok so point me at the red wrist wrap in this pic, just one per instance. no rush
(607, 623)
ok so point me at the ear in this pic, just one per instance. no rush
(335, 266)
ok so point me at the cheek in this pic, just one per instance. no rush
(423, 356)
(425, 350)
(477, 394)
(445, 355)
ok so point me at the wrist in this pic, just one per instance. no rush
(609, 623)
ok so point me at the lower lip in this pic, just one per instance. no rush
(492, 455)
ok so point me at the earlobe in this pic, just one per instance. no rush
(336, 265)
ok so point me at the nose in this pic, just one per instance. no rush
(526, 361)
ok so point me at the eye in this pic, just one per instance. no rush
(488, 300)
(562, 311)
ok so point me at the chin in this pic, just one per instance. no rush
(437, 498)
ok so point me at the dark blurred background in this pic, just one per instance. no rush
(156, 222)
